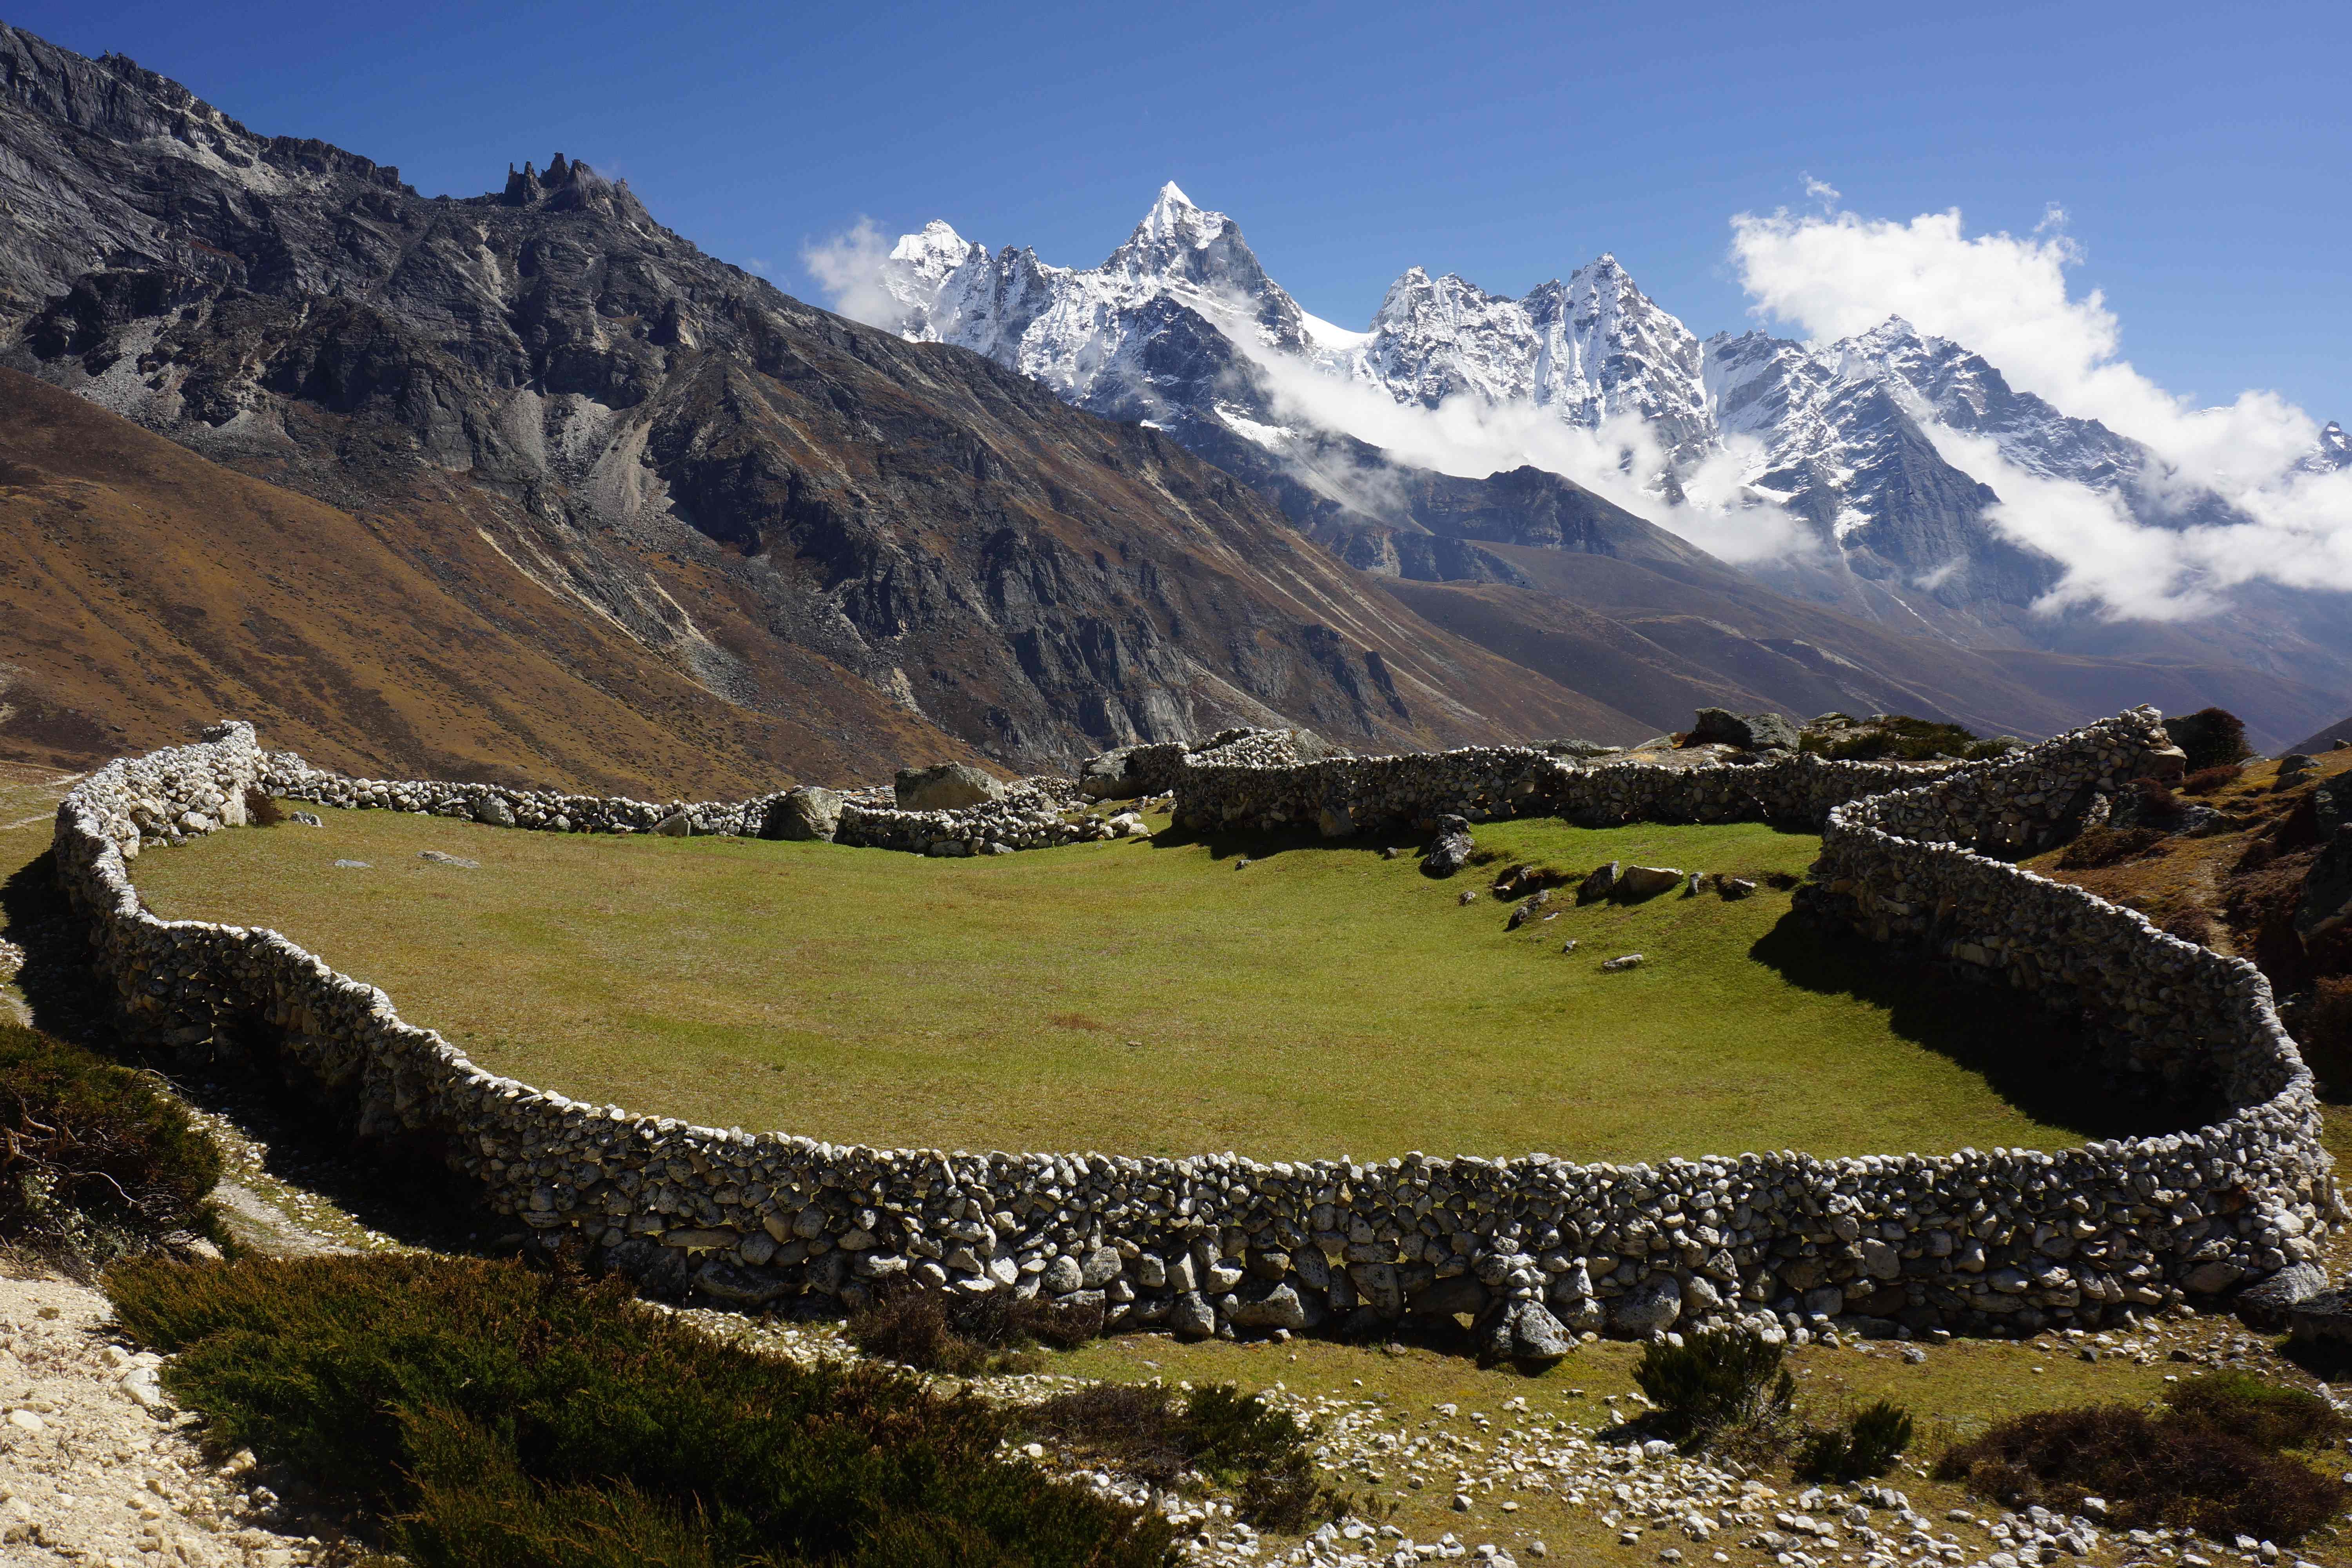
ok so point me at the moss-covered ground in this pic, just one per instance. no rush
(1146, 995)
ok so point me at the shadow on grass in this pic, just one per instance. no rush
(390, 1190)
(2042, 1063)
(1404, 836)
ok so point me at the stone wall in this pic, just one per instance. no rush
(1532, 1246)
(1029, 817)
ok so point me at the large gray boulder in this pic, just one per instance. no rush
(1537, 1335)
(1105, 776)
(803, 815)
(1748, 732)
(1453, 850)
(1649, 1309)
(2267, 1305)
(1647, 881)
(491, 811)
(949, 787)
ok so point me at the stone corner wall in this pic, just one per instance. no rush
(1533, 1247)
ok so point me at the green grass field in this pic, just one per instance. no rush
(1142, 996)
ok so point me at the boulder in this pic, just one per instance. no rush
(2331, 804)
(1128, 824)
(1061, 1276)
(1452, 848)
(2326, 888)
(676, 825)
(738, 1287)
(1335, 821)
(2267, 1305)
(1278, 1306)
(1537, 1335)
(949, 787)
(1599, 885)
(1647, 881)
(493, 811)
(1105, 776)
(1734, 887)
(1098, 1267)
(1580, 750)
(1190, 1316)
(1748, 732)
(2324, 1320)
(1649, 1309)
(803, 815)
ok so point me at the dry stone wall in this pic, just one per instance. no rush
(1030, 816)
(1535, 1249)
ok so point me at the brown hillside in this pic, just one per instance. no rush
(149, 592)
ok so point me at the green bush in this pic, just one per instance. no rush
(1859, 1448)
(1235, 1439)
(1903, 739)
(2178, 1470)
(2212, 737)
(95, 1161)
(1715, 1380)
(495, 1418)
(2267, 1415)
(968, 1335)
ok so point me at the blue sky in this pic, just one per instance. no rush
(2202, 155)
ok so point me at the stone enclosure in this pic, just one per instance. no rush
(1533, 1249)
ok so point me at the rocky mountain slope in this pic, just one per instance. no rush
(629, 456)
(1183, 326)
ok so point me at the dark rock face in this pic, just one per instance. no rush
(1750, 732)
(675, 447)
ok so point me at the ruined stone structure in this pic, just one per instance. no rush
(1535, 1247)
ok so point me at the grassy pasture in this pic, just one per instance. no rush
(1146, 996)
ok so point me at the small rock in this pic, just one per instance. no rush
(1568, 946)
(306, 818)
(1734, 887)
(1623, 961)
(1469, 895)
(1646, 881)
(440, 857)
(353, 866)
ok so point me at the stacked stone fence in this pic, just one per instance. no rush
(1533, 1247)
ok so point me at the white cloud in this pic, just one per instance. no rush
(1466, 436)
(2005, 296)
(848, 266)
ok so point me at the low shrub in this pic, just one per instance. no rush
(2191, 924)
(2154, 800)
(495, 1418)
(95, 1160)
(1235, 1439)
(968, 1335)
(2270, 1416)
(2096, 847)
(2212, 738)
(1859, 1448)
(2322, 1027)
(2205, 781)
(1714, 1380)
(2177, 1469)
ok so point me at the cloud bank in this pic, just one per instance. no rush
(848, 266)
(2005, 296)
